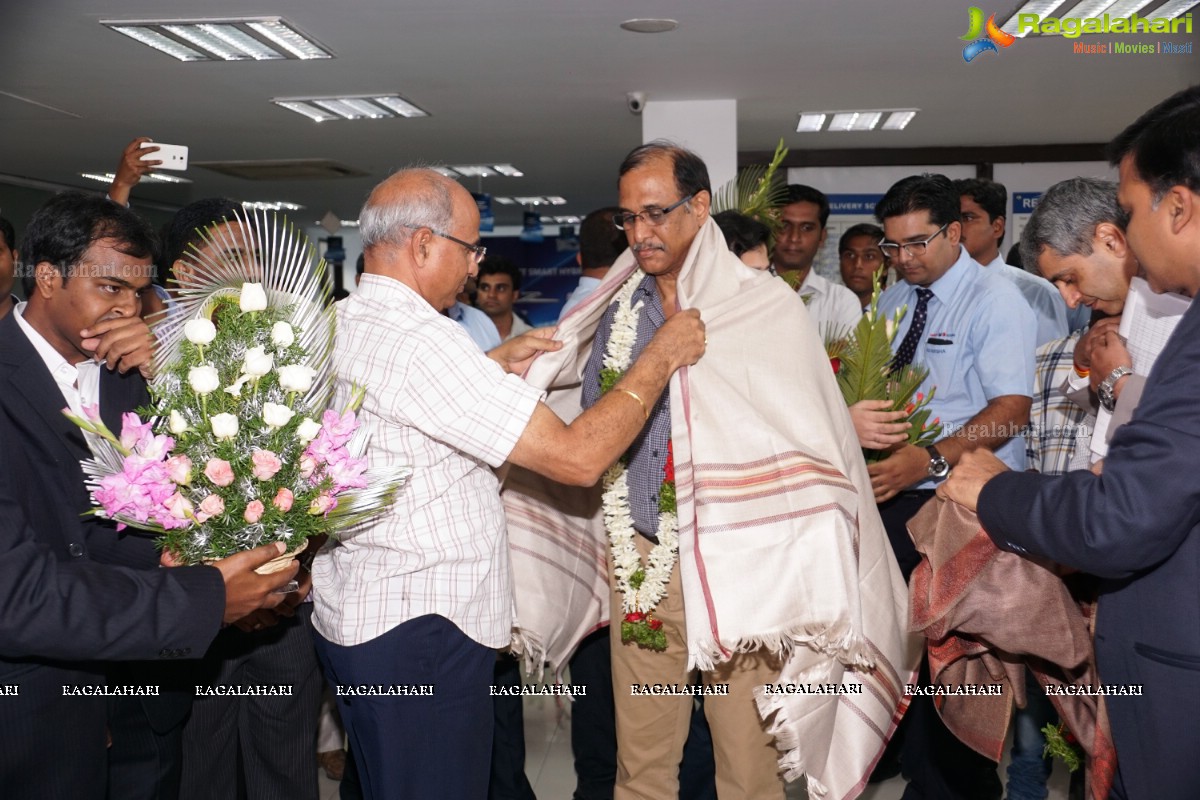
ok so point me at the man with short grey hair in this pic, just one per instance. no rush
(421, 597)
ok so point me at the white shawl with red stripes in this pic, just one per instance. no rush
(781, 545)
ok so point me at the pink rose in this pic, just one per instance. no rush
(179, 469)
(283, 500)
(266, 464)
(211, 506)
(219, 472)
(254, 511)
(308, 465)
(322, 504)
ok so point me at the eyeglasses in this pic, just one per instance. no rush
(891, 249)
(477, 251)
(651, 216)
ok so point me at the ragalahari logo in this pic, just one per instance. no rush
(979, 44)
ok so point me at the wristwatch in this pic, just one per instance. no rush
(1105, 390)
(939, 467)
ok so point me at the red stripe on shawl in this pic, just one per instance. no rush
(739, 498)
(807, 512)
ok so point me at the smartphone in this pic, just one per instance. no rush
(172, 156)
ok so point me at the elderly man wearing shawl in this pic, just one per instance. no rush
(782, 574)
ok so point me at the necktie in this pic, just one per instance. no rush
(908, 347)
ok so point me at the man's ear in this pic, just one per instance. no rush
(702, 202)
(1181, 207)
(46, 278)
(419, 245)
(998, 225)
(1110, 237)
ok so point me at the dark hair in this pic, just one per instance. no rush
(799, 193)
(929, 192)
(68, 224)
(360, 266)
(187, 228)
(861, 229)
(600, 242)
(992, 197)
(495, 265)
(7, 233)
(742, 233)
(691, 175)
(1164, 143)
(1013, 259)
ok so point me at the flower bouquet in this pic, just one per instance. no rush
(239, 447)
(862, 362)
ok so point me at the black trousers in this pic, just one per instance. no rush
(593, 719)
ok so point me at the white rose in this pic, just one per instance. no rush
(235, 388)
(204, 379)
(258, 362)
(200, 331)
(276, 416)
(296, 378)
(253, 297)
(307, 430)
(177, 424)
(224, 426)
(282, 334)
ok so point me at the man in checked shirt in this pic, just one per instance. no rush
(422, 595)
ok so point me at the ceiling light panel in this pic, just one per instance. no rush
(509, 170)
(843, 121)
(865, 120)
(321, 109)
(151, 177)
(270, 205)
(239, 39)
(400, 106)
(810, 123)
(898, 120)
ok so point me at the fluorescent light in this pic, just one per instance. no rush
(509, 170)
(557, 201)
(531, 201)
(1040, 7)
(504, 201)
(449, 173)
(280, 33)
(152, 177)
(270, 205)
(843, 121)
(162, 43)
(313, 113)
(474, 170)
(236, 38)
(866, 120)
(810, 122)
(320, 109)
(898, 120)
(400, 106)
(206, 41)
(1125, 8)
(567, 220)
(349, 223)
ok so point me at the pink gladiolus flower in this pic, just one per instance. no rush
(155, 447)
(179, 469)
(283, 500)
(322, 504)
(266, 464)
(211, 506)
(92, 412)
(178, 506)
(219, 472)
(347, 473)
(308, 465)
(254, 511)
(133, 430)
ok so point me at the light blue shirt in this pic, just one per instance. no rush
(1047, 304)
(978, 344)
(480, 328)
(586, 286)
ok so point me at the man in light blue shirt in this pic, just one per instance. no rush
(478, 324)
(975, 333)
(600, 242)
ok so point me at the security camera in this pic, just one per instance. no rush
(636, 101)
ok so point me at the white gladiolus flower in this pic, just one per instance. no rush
(282, 334)
(204, 379)
(253, 297)
(276, 415)
(258, 362)
(176, 423)
(296, 378)
(200, 331)
(224, 426)
(307, 430)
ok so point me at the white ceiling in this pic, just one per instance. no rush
(537, 83)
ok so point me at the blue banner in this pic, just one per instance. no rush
(1025, 202)
(855, 204)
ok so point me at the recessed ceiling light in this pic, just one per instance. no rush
(566, 220)
(475, 171)
(650, 25)
(238, 39)
(810, 123)
(504, 201)
(270, 205)
(541, 201)
(152, 177)
(898, 120)
(322, 109)
(509, 170)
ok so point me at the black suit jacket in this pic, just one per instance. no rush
(1137, 526)
(61, 611)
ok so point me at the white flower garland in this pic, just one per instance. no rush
(618, 518)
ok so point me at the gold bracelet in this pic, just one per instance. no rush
(641, 402)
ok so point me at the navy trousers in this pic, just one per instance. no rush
(416, 747)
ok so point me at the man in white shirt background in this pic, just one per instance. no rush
(799, 240)
(499, 288)
(983, 220)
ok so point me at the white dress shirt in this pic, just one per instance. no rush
(833, 307)
(79, 383)
(435, 403)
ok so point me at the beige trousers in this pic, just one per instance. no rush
(652, 729)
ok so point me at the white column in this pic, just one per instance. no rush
(706, 127)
